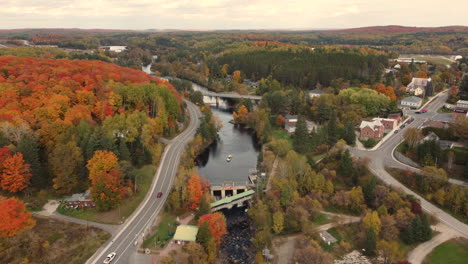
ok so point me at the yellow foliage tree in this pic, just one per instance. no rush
(372, 220)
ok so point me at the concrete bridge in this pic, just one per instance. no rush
(231, 95)
(231, 201)
(228, 188)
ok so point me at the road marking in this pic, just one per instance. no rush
(179, 139)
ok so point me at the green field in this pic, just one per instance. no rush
(164, 233)
(435, 60)
(453, 252)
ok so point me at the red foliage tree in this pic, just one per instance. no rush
(13, 217)
(194, 192)
(217, 224)
(280, 120)
(14, 173)
(416, 208)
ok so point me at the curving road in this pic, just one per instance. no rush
(383, 156)
(132, 231)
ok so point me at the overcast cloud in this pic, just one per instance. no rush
(229, 14)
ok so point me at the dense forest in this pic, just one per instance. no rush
(304, 67)
(70, 125)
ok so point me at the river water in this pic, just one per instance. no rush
(233, 140)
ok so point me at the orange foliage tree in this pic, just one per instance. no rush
(241, 114)
(217, 224)
(389, 91)
(194, 192)
(102, 162)
(13, 217)
(14, 173)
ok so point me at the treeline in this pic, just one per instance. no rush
(73, 125)
(303, 67)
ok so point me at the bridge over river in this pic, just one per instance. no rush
(230, 201)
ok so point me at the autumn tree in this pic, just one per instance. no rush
(67, 163)
(413, 136)
(236, 76)
(301, 136)
(217, 224)
(101, 162)
(372, 220)
(241, 114)
(312, 254)
(278, 222)
(14, 173)
(13, 217)
(389, 250)
(193, 192)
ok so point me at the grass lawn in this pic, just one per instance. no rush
(453, 252)
(461, 155)
(321, 219)
(164, 233)
(144, 178)
(436, 60)
(318, 157)
(281, 134)
(444, 110)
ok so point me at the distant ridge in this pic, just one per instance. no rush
(399, 29)
(371, 29)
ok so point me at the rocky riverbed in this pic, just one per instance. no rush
(237, 246)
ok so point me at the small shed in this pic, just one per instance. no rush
(185, 233)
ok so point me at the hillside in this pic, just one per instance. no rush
(398, 29)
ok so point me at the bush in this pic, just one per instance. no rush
(369, 143)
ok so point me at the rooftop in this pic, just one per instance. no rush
(412, 99)
(289, 117)
(372, 124)
(316, 91)
(462, 102)
(186, 233)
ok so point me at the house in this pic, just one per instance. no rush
(371, 129)
(444, 144)
(185, 234)
(430, 136)
(462, 104)
(250, 83)
(290, 123)
(411, 102)
(117, 49)
(315, 93)
(388, 123)
(418, 86)
(396, 116)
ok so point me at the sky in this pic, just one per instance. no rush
(229, 14)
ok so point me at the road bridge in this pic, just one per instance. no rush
(231, 95)
(228, 202)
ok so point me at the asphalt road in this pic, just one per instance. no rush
(383, 156)
(132, 231)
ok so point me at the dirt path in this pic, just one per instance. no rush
(417, 255)
(272, 173)
(50, 210)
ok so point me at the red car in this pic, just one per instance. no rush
(159, 194)
(424, 111)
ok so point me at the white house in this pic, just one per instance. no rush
(315, 93)
(418, 86)
(462, 103)
(411, 102)
(290, 123)
(117, 49)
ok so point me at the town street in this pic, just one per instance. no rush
(132, 233)
(383, 157)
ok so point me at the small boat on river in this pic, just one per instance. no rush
(229, 158)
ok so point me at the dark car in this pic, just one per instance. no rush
(396, 131)
(417, 112)
(403, 126)
(159, 194)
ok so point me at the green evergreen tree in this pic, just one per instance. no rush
(369, 192)
(370, 245)
(204, 235)
(204, 207)
(301, 136)
(100, 141)
(349, 134)
(124, 153)
(332, 130)
(29, 147)
(3, 140)
(417, 227)
(426, 229)
(346, 168)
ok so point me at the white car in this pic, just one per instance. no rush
(109, 258)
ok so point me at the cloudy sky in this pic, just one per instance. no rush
(229, 14)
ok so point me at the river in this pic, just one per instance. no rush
(241, 143)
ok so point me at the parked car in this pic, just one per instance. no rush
(424, 110)
(159, 194)
(396, 131)
(417, 112)
(403, 126)
(109, 258)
